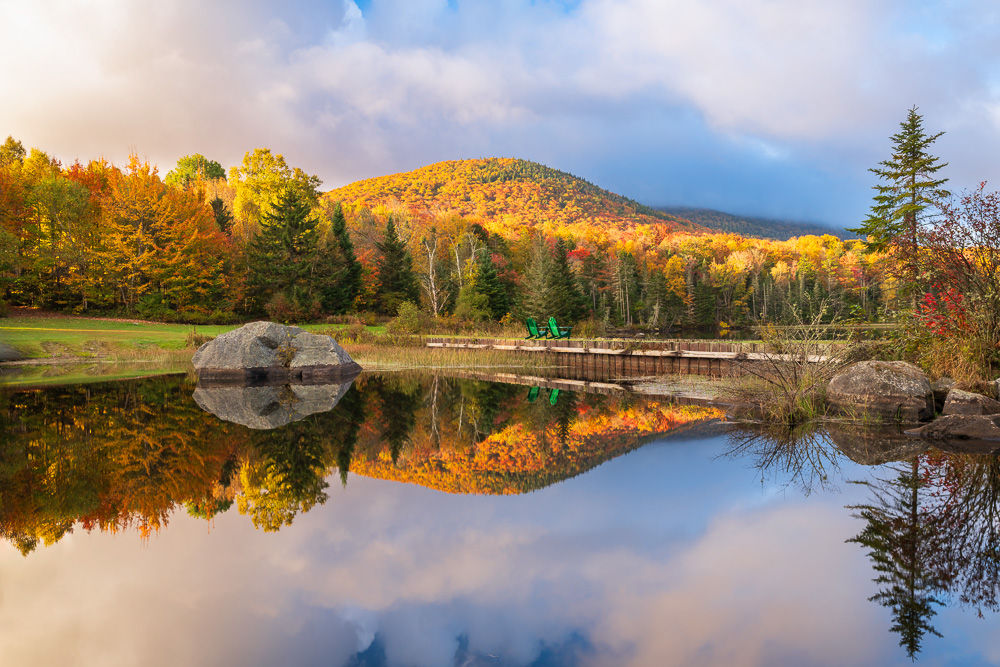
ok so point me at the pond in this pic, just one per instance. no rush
(433, 520)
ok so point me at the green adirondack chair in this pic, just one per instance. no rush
(533, 331)
(555, 331)
(553, 396)
(532, 394)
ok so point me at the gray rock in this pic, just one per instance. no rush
(10, 353)
(269, 406)
(265, 351)
(961, 402)
(941, 387)
(882, 390)
(960, 427)
(315, 350)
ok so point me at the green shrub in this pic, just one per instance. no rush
(409, 320)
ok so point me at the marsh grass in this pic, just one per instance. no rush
(376, 356)
(787, 385)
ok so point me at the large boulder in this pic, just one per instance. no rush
(882, 390)
(961, 402)
(269, 406)
(269, 352)
(10, 353)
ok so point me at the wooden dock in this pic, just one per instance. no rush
(624, 358)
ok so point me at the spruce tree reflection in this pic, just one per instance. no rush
(904, 542)
(343, 427)
(398, 401)
(285, 474)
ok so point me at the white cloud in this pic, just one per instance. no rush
(820, 85)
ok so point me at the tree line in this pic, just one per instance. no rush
(200, 245)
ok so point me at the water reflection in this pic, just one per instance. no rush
(802, 455)
(269, 406)
(932, 518)
(126, 455)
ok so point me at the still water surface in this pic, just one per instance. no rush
(439, 521)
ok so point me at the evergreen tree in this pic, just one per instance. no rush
(223, 218)
(487, 283)
(396, 280)
(568, 304)
(341, 291)
(287, 268)
(908, 194)
(539, 299)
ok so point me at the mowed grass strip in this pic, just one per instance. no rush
(42, 337)
(45, 337)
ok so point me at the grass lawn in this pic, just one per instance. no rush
(83, 337)
(45, 337)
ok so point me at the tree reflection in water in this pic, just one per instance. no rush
(932, 524)
(802, 454)
(122, 455)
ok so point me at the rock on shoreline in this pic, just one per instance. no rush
(266, 352)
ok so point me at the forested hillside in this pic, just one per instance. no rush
(506, 196)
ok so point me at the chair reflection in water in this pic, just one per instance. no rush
(553, 395)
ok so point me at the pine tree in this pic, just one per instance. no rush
(396, 280)
(902, 543)
(907, 196)
(223, 218)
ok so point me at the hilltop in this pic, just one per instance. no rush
(507, 195)
(762, 228)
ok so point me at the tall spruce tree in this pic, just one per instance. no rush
(396, 280)
(906, 196)
(569, 303)
(539, 299)
(288, 270)
(488, 283)
(346, 283)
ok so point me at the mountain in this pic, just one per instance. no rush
(508, 195)
(764, 228)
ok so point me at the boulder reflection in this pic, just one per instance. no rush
(932, 518)
(126, 455)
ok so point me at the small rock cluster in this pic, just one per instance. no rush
(899, 391)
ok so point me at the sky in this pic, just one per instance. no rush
(774, 108)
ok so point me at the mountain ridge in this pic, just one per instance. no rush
(757, 227)
(512, 195)
(506, 193)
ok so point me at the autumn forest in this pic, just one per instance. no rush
(475, 240)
